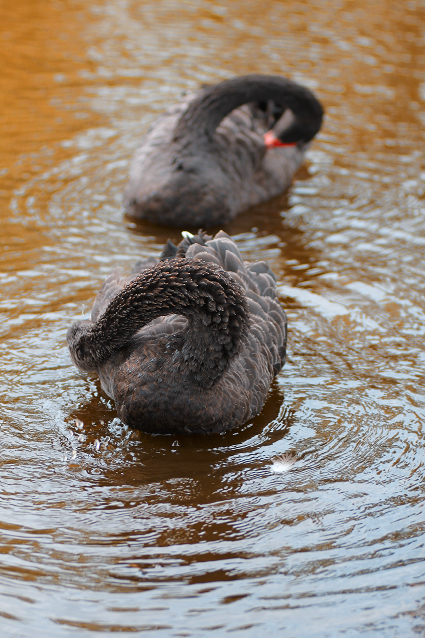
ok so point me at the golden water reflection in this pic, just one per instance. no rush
(106, 530)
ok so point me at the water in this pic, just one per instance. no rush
(104, 530)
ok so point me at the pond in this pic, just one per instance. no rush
(104, 530)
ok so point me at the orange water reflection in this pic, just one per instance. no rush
(105, 530)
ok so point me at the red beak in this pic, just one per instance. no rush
(271, 141)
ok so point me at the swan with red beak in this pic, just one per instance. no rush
(221, 150)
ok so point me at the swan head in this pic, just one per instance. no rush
(84, 357)
(289, 131)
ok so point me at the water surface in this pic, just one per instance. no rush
(105, 531)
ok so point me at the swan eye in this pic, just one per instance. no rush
(80, 352)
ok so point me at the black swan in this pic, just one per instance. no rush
(200, 166)
(187, 344)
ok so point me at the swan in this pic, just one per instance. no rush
(199, 166)
(186, 344)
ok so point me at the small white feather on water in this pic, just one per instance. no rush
(283, 463)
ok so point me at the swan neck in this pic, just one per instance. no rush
(206, 111)
(207, 296)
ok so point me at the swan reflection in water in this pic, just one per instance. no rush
(187, 343)
(222, 150)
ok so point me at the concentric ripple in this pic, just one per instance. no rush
(309, 520)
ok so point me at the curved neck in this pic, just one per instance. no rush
(206, 111)
(212, 301)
